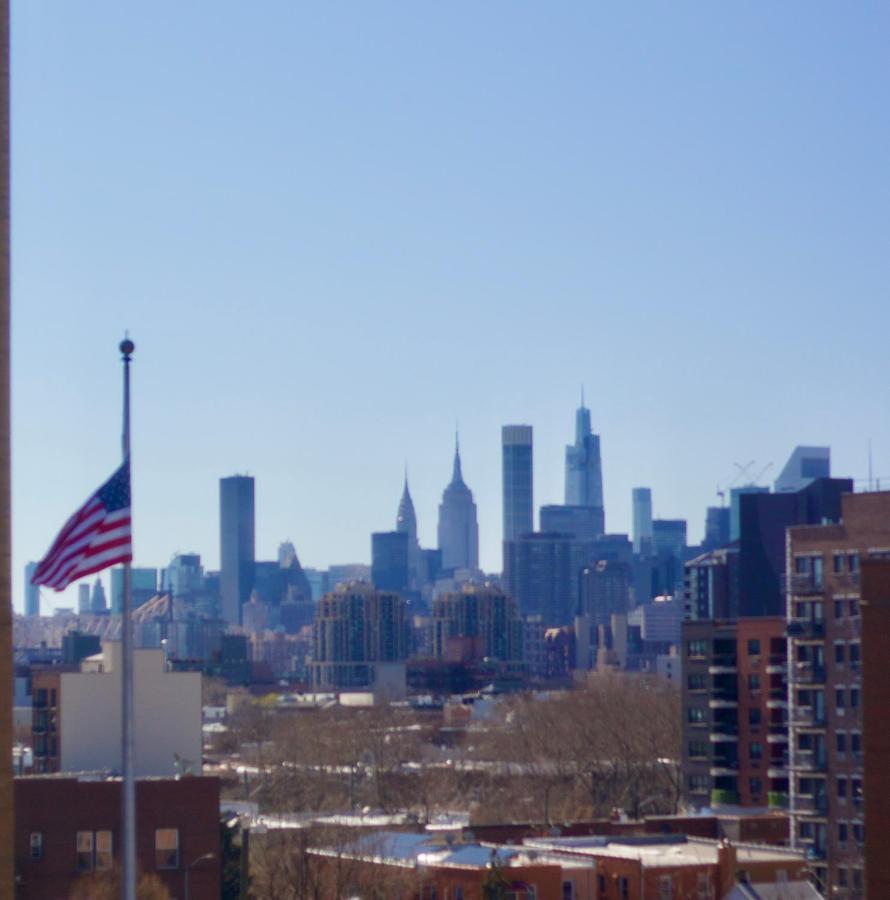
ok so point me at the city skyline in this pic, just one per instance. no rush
(668, 207)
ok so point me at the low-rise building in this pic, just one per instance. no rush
(76, 716)
(68, 829)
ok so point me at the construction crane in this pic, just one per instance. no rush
(742, 471)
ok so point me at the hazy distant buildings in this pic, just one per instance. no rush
(406, 523)
(357, 629)
(605, 590)
(237, 547)
(669, 550)
(98, 603)
(585, 523)
(517, 466)
(83, 599)
(584, 473)
(541, 572)
(642, 520)
(716, 527)
(390, 560)
(458, 528)
(477, 623)
(804, 466)
(32, 592)
(144, 586)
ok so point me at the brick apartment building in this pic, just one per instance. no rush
(825, 641)
(69, 828)
(735, 732)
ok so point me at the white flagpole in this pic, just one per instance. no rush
(128, 891)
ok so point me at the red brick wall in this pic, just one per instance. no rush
(59, 807)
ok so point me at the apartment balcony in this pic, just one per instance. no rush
(804, 629)
(776, 665)
(848, 581)
(723, 700)
(808, 761)
(807, 717)
(777, 699)
(777, 800)
(807, 673)
(801, 584)
(777, 770)
(777, 734)
(810, 805)
(724, 733)
(724, 767)
(723, 665)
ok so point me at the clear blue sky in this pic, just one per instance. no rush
(333, 229)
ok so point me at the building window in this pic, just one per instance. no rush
(754, 682)
(858, 833)
(665, 887)
(696, 715)
(842, 877)
(842, 832)
(458, 893)
(104, 855)
(624, 888)
(697, 681)
(854, 608)
(838, 609)
(167, 848)
(857, 879)
(855, 654)
(84, 851)
(704, 886)
(36, 845)
(853, 562)
(698, 784)
(697, 648)
(755, 751)
(754, 715)
(755, 785)
(842, 788)
(753, 647)
(854, 698)
(698, 750)
(838, 563)
(839, 653)
(856, 742)
(840, 696)
(841, 741)
(568, 890)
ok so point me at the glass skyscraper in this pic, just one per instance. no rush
(236, 544)
(584, 471)
(516, 445)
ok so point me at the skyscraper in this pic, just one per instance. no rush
(642, 520)
(516, 448)
(584, 471)
(236, 544)
(458, 529)
(406, 523)
(804, 465)
(389, 560)
(32, 592)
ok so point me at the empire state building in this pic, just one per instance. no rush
(458, 528)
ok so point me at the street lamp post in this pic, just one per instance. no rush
(188, 869)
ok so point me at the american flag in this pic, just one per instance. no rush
(98, 535)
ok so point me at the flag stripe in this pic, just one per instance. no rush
(96, 536)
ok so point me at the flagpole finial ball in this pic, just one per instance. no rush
(127, 347)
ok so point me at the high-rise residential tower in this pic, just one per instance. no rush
(458, 528)
(584, 471)
(642, 520)
(32, 592)
(236, 544)
(516, 448)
